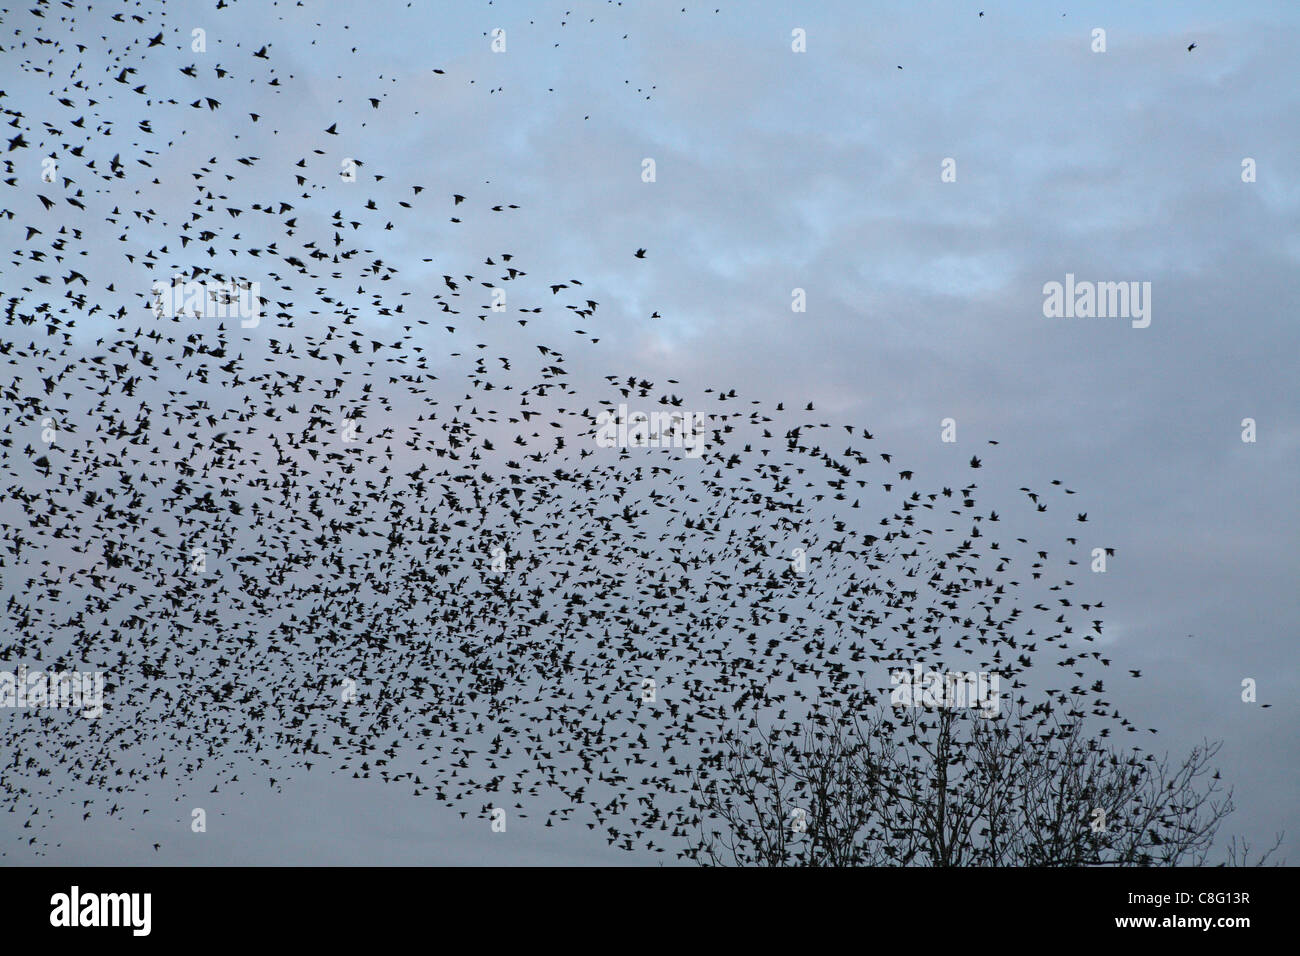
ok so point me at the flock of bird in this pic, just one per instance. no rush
(372, 533)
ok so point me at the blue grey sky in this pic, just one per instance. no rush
(821, 170)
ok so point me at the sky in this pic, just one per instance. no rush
(822, 170)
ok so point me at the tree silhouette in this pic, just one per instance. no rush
(881, 785)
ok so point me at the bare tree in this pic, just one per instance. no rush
(909, 786)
